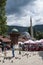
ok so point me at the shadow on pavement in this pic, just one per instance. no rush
(41, 54)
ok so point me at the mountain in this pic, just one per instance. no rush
(23, 29)
(38, 28)
(20, 28)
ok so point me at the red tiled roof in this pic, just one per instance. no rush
(1, 36)
(5, 39)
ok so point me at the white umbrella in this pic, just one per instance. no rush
(37, 41)
(30, 41)
(20, 43)
(27, 41)
(41, 40)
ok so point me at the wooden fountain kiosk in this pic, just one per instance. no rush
(14, 36)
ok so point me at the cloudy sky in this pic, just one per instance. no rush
(19, 11)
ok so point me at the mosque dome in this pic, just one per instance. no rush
(15, 30)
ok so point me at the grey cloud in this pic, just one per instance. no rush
(38, 20)
(14, 6)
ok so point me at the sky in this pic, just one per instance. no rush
(18, 12)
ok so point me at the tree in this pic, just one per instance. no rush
(3, 26)
(39, 35)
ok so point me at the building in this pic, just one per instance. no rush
(14, 36)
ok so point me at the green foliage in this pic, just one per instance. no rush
(3, 26)
(37, 34)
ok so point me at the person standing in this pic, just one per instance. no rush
(5, 52)
(12, 46)
(20, 48)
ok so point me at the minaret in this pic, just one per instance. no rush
(31, 28)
